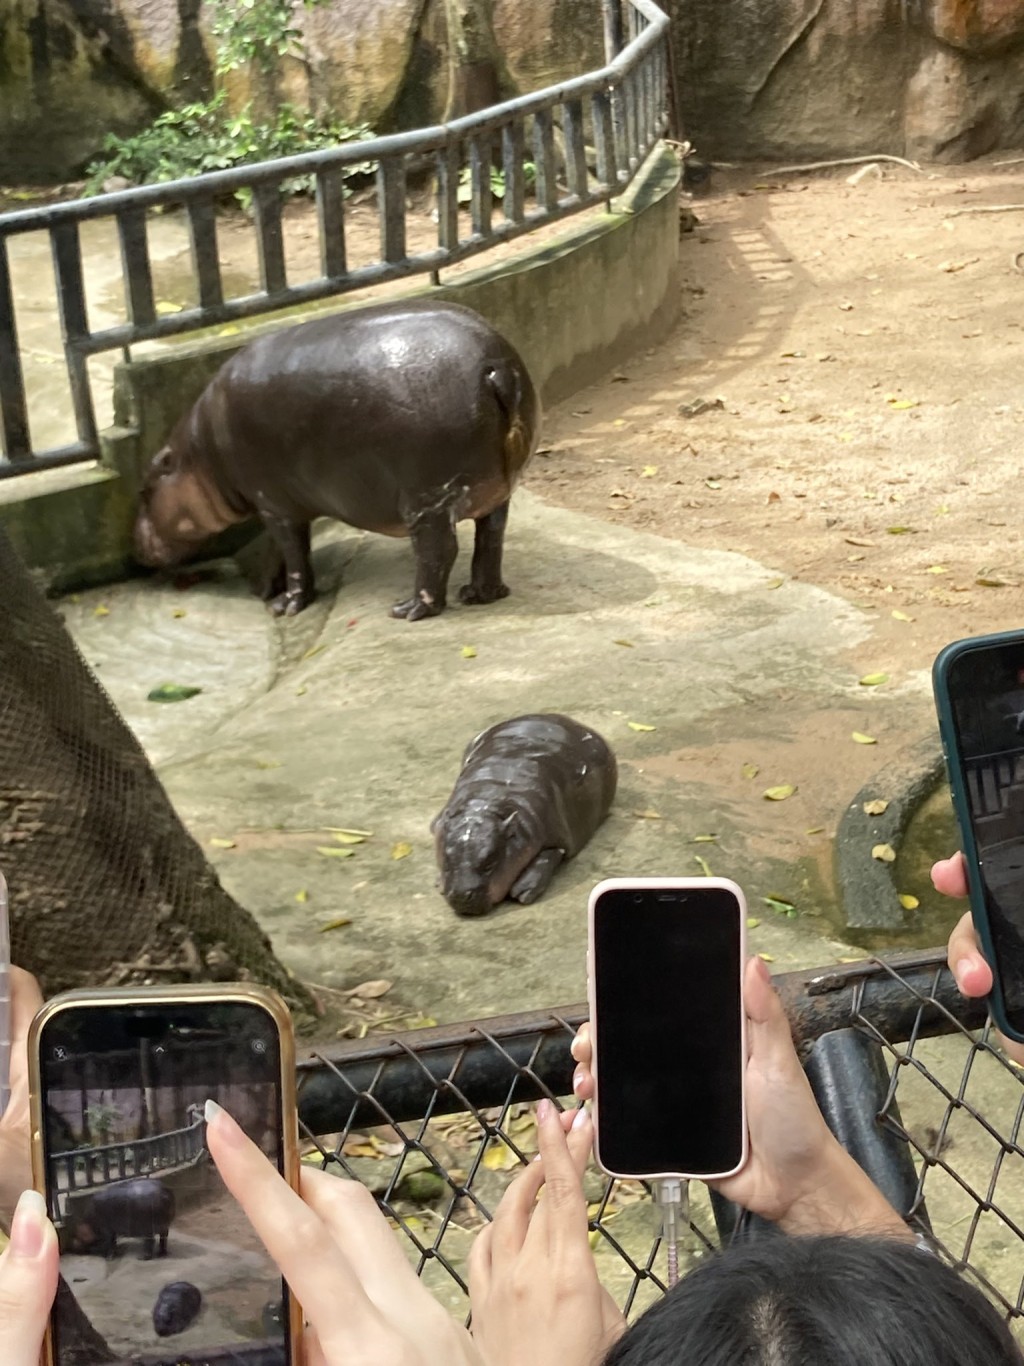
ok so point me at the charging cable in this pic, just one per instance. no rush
(672, 1206)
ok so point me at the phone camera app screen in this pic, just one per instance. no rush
(162, 1266)
(986, 688)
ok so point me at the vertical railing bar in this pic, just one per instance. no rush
(480, 181)
(544, 157)
(604, 139)
(575, 150)
(612, 29)
(391, 208)
(13, 410)
(202, 231)
(330, 213)
(135, 268)
(448, 197)
(66, 248)
(270, 236)
(513, 154)
(629, 94)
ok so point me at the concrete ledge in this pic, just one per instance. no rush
(574, 308)
(869, 896)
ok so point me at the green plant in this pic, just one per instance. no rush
(464, 193)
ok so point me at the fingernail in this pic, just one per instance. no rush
(226, 1126)
(543, 1111)
(579, 1119)
(963, 966)
(761, 968)
(574, 1047)
(28, 1227)
(577, 1077)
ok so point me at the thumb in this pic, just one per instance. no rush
(28, 1282)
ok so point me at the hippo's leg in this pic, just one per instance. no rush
(147, 1248)
(292, 538)
(435, 546)
(533, 881)
(485, 583)
(271, 572)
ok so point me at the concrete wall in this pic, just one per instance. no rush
(574, 308)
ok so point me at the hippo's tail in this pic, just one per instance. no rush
(511, 387)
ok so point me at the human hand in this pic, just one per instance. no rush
(15, 1129)
(363, 1301)
(28, 1282)
(969, 967)
(797, 1175)
(533, 1282)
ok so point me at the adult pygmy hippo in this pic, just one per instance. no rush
(404, 418)
(143, 1208)
(177, 1308)
(531, 793)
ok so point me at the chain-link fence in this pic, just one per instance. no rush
(436, 1122)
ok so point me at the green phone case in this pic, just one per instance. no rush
(961, 805)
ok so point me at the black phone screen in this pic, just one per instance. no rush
(667, 1003)
(986, 694)
(162, 1266)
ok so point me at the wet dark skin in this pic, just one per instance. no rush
(531, 793)
(403, 419)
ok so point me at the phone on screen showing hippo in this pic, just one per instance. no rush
(665, 973)
(979, 695)
(161, 1261)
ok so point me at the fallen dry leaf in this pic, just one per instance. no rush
(648, 815)
(901, 616)
(750, 770)
(345, 830)
(885, 853)
(372, 990)
(349, 837)
(861, 739)
(873, 680)
(876, 807)
(908, 902)
(854, 540)
(301, 896)
(468, 652)
(639, 725)
(648, 472)
(401, 850)
(332, 851)
(780, 793)
(627, 644)
(752, 922)
(334, 924)
(218, 842)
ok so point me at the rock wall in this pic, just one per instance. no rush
(931, 79)
(934, 79)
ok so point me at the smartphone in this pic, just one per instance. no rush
(161, 1262)
(665, 970)
(5, 999)
(979, 695)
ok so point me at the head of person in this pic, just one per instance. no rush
(823, 1301)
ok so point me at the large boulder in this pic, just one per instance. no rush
(959, 107)
(983, 26)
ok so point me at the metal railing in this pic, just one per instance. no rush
(545, 144)
(437, 1121)
(84, 1168)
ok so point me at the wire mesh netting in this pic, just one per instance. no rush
(437, 1122)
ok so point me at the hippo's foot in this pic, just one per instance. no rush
(474, 595)
(290, 604)
(534, 880)
(416, 608)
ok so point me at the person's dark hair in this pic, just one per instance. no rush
(835, 1301)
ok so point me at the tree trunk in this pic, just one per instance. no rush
(476, 71)
(106, 884)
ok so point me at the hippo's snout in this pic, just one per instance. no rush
(469, 900)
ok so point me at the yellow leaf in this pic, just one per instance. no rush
(348, 837)
(648, 815)
(330, 851)
(639, 725)
(768, 957)
(334, 924)
(908, 902)
(703, 865)
(619, 422)
(704, 839)
(370, 991)
(228, 330)
(178, 613)
(401, 850)
(901, 616)
(876, 807)
(500, 1158)
(314, 651)
(750, 770)
(648, 472)
(873, 680)
(164, 306)
(993, 581)
(627, 643)
(863, 739)
(346, 830)
(779, 794)
(936, 569)
(468, 652)
(752, 922)
(900, 404)
(816, 830)
(101, 611)
(775, 583)
(302, 896)
(301, 692)
(885, 853)
(219, 843)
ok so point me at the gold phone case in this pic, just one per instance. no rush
(232, 992)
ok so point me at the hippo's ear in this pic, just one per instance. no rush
(509, 821)
(436, 821)
(162, 462)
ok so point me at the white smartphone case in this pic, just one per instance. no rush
(696, 884)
